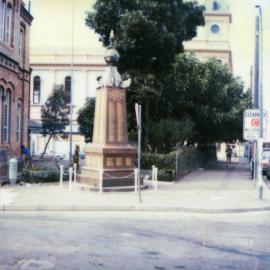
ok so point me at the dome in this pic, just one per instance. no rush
(216, 6)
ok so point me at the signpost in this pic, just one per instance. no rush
(252, 124)
(254, 131)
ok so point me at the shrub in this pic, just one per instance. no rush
(36, 176)
(162, 161)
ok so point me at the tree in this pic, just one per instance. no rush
(55, 114)
(148, 35)
(86, 119)
(211, 96)
(165, 134)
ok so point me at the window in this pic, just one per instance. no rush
(36, 92)
(68, 88)
(21, 45)
(6, 117)
(216, 5)
(215, 29)
(3, 17)
(9, 24)
(19, 122)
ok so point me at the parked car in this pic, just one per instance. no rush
(59, 156)
(265, 162)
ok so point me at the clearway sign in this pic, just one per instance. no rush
(252, 124)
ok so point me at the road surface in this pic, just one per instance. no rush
(134, 240)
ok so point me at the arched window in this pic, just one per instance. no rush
(9, 24)
(6, 117)
(36, 90)
(19, 122)
(3, 19)
(68, 88)
(216, 5)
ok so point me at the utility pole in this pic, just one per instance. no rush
(72, 82)
(261, 111)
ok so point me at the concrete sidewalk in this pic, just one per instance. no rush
(219, 190)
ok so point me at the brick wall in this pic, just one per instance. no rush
(15, 75)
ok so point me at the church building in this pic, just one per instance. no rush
(213, 39)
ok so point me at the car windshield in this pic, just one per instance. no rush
(266, 154)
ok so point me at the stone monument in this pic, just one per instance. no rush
(110, 156)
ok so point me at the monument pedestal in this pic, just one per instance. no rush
(110, 151)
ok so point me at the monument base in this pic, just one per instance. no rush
(113, 165)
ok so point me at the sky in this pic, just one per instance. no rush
(53, 23)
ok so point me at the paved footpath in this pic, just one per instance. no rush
(218, 190)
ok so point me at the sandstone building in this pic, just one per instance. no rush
(15, 21)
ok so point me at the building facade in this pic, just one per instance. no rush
(15, 22)
(213, 39)
(51, 68)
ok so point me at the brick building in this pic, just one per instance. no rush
(15, 21)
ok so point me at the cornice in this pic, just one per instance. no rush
(212, 14)
(26, 15)
(65, 65)
(210, 50)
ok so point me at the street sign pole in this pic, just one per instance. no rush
(260, 140)
(138, 110)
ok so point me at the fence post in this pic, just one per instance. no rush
(156, 176)
(100, 181)
(135, 180)
(70, 178)
(61, 175)
(75, 172)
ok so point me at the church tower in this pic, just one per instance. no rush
(213, 39)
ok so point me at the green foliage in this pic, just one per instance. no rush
(55, 112)
(148, 33)
(211, 96)
(180, 162)
(86, 119)
(162, 161)
(167, 133)
(40, 176)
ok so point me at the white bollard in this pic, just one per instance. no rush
(13, 171)
(135, 180)
(156, 178)
(75, 172)
(61, 175)
(70, 178)
(100, 181)
(153, 175)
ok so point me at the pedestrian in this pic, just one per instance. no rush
(229, 154)
(26, 156)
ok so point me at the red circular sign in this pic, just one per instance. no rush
(255, 122)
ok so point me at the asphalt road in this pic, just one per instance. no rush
(159, 241)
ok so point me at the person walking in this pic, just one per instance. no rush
(229, 155)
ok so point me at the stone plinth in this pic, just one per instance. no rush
(110, 150)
